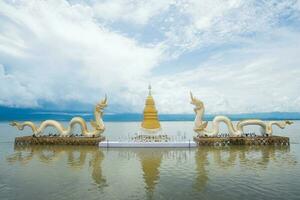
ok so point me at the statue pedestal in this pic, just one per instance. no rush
(46, 140)
(257, 140)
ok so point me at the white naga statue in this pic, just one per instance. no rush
(98, 125)
(234, 131)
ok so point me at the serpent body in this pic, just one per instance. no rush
(200, 127)
(98, 124)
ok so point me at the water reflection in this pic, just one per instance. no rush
(151, 161)
(197, 165)
(255, 158)
(76, 157)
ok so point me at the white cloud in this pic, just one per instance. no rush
(201, 23)
(62, 54)
(136, 11)
(58, 51)
(13, 93)
(263, 77)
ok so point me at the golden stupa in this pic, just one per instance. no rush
(150, 121)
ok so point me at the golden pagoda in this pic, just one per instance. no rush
(150, 121)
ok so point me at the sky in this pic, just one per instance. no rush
(237, 56)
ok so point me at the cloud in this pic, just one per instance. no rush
(198, 24)
(262, 77)
(238, 56)
(185, 25)
(137, 11)
(11, 89)
(59, 53)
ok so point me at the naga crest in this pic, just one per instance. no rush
(198, 103)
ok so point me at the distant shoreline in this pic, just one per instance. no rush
(5, 117)
(22, 114)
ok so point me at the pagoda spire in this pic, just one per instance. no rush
(149, 88)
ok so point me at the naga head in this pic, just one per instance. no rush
(283, 124)
(199, 110)
(99, 108)
(101, 105)
(16, 124)
(196, 102)
(13, 123)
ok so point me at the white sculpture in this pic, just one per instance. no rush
(98, 124)
(200, 127)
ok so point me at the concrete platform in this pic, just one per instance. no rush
(129, 144)
(47, 140)
(257, 140)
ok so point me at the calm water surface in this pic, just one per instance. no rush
(69, 172)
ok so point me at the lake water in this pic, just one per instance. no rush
(72, 172)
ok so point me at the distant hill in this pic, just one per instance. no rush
(21, 114)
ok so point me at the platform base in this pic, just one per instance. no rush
(46, 140)
(257, 140)
(129, 144)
